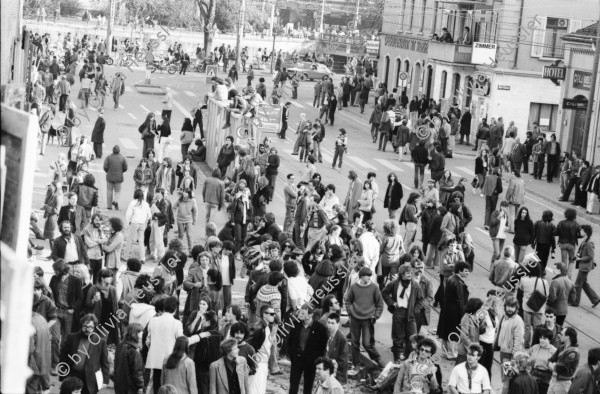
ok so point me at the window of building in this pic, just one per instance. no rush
(423, 7)
(545, 114)
(556, 28)
(412, 15)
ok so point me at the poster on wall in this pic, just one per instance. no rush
(582, 80)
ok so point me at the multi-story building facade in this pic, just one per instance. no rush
(575, 94)
(500, 73)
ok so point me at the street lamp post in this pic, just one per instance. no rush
(590, 107)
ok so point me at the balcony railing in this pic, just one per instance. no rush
(453, 53)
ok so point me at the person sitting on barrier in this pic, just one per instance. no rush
(238, 105)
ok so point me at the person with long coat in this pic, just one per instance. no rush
(456, 295)
(465, 128)
(354, 193)
(393, 195)
(149, 132)
(98, 134)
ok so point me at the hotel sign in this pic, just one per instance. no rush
(407, 43)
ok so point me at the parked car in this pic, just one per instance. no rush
(310, 71)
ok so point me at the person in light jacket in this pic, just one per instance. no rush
(515, 195)
(220, 376)
(562, 292)
(509, 337)
(213, 193)
(137, 217)
(469, 328)
(178, 369)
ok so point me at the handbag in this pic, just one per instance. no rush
(537, 299)
(474, 182)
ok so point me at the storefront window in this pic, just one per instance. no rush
(544, 114)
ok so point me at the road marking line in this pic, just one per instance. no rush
(157, 113)
(120, 106)
(191, 94)
(296, 104)
(128, 143)
(173, 92)
(181, 108)
(144, 108)
(464, 170)
(359, 162)
(129, 113)
(483, 230)
(389, 165)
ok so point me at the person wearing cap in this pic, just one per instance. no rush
(364, 304)
(341, 143)
(98, 133)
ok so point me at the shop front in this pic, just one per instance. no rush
(575, 96)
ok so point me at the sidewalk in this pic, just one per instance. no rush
(539, 188)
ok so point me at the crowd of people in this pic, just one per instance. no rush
(329, 263)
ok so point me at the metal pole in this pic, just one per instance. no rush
(590, 107)
(357, 13)
(322, 17)
(111, 17)
(272, 23)
(239, 36)
(273, 54)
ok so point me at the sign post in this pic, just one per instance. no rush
(402, 79)
(211, 71)
(555, 73)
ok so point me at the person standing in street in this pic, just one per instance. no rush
(94, 240)
(404, 299)
(456, 294)
(271, 172)
(327, 382)
(118, 88)
(341, 144)
(137, 217)
(585, 264)
(285, 114)
(515, 195)
(226, 156)
(585, 380)
(307, 342)
(213, 193)
(492, 188)
(98, 133)
(290, 193)
(568, 231)
(114, 167)
(337, 344)
(510, 337)
(353, 195)
(69, 247)
(230, 373)
(364, 304)
(95, 359)
(553, 152)
(420, 157)
(564, 362)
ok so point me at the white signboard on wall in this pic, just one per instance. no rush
(484, 53)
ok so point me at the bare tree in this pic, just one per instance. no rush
(207, 11)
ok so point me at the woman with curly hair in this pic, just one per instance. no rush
(446, 187)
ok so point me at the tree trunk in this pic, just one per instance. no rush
(207, 10)
(208, 39)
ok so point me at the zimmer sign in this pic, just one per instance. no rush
(407, 43)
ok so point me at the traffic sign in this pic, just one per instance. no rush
(211, 71)
(402, 79)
